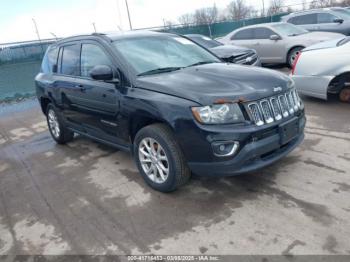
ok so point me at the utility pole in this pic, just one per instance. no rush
(37, 33)
(93, 24)
(127, 9)
(263, 2)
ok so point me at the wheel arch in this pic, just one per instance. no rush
(44, 102)
(338, 83)
(290, 50)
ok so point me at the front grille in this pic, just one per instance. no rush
(274, 108)
(242, 59)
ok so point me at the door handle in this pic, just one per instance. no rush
(81, 87)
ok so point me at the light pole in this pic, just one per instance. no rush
(37, 33)
(127, 9)
(263, 2)
(93, 24)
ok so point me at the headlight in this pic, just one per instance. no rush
(218, 114)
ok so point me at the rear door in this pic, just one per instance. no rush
(244, 38)
(68, 67)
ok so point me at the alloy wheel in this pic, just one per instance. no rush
(154, 160)
(53, 123)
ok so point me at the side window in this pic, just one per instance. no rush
(92, 55)
(243, 35)
(70, 60)
(49, 60)
(304, 19)
(323, 18)
(263, 33)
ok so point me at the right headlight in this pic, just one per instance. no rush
(218, 114)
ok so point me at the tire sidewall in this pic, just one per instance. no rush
(170, 184)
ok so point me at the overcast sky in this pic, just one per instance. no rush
(69, 17)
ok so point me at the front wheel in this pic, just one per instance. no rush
(344, 95)
(160, 159)
(57, 128)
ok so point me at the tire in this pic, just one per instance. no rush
(165, 156)
(292, 55)
(344, 95)
(57, 129)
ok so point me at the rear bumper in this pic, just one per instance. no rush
(315, 86)
(253, 156)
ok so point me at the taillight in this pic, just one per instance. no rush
(295, 63)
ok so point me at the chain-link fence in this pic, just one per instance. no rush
(222, 28)
(20, 62)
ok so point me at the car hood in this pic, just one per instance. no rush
(226, 51)
(206, 84)
(316, 37)
(323, 45)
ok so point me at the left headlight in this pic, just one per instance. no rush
(218, 114)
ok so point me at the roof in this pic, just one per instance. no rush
(315, 10)
(259, 25)
(113, 36)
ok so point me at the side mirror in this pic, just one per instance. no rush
(338, 20)
(274, 37)
(102, 72)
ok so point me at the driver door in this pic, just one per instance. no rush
(98, 104)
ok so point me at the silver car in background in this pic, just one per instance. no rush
(276, 43)
(324, 69)
(335, 19)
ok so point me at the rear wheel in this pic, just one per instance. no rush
(56, 126)
(293, 54)
(344, 95)
(160, 159)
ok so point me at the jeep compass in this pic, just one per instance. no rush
(175, 106)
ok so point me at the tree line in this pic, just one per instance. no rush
(239, 9)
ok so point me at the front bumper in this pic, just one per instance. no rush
(253, 155)
(315, 86)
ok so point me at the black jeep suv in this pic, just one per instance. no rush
(170, 102)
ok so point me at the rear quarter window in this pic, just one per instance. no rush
(49, 60)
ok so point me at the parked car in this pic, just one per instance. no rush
(334, 19)
(324, 69)
(228, 53)
(171, 103)
(276, 42)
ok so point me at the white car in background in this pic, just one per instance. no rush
(276, 43)
(324, 69)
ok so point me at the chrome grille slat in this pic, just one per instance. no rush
(275, 108)
(256, 113)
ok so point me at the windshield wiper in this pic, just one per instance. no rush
(201, 63)
(160, 70)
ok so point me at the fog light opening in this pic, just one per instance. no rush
(225, 148)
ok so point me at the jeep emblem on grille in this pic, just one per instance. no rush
(277, 89)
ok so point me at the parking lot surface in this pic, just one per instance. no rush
(86, 198)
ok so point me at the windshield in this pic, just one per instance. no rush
(205, 41)
(289, 29)
(159, 54)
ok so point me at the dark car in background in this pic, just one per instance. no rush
(228, 53)
(334, 19)
(171, 103)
